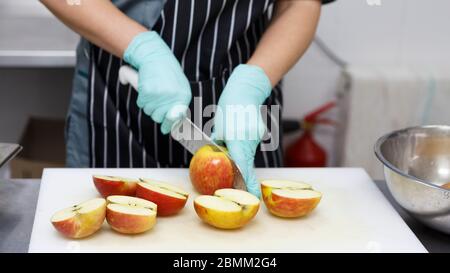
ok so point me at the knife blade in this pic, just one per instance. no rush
(189, 135)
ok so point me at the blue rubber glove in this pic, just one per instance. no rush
(164, 90)
(238, 121)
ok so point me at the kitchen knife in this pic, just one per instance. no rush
(185, 131)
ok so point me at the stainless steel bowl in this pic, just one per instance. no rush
(416, 164)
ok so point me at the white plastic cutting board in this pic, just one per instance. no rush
(353, 216)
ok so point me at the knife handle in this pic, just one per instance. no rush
(128, 75)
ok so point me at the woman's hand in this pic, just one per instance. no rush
(164, 90)
(284, 42)
(238, 120)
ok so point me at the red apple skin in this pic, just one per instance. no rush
(129, 224)
(219, 219)
(289, 207)
(107, 188)
(81, 225)
(167, 205)
(68, 228)
(210, 170)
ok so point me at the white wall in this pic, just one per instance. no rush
(23, 8)
(398, 32)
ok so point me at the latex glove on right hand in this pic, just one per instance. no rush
(238, 121)
(164, 92)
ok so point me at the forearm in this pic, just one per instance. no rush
(99, 21)
(287, 38)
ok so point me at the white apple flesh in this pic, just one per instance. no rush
(289, 199)
(130, 215)
(227, 209)
(80, 220)
(285, 184)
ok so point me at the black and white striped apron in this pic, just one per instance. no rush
(209, 38)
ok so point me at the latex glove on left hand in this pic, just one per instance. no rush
(238, 121)
(164, 92)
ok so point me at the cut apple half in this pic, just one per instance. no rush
(80, 220)
(297, 194)
(227, 209)
(289, 199)
(114, 185)
(165, 186)
(170, 199)
(130, 215)
(242, 198)
(285, 184)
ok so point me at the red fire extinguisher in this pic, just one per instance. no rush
(306, 152)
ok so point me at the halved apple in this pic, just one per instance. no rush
(80, 220)
(289, 199)
(114, 185)
(227, 209)
(284, 184)
(170, 199)
(130, 215)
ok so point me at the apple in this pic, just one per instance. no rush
(80, 220)
(211, 169)
(227, 209)
(289, 199)
(130, 215)
(114, 185)
(170, 199)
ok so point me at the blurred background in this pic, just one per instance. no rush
(384, 62)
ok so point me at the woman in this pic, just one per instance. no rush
(224, 52)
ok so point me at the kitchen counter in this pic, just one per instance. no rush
(434, 241)
(18, 200)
